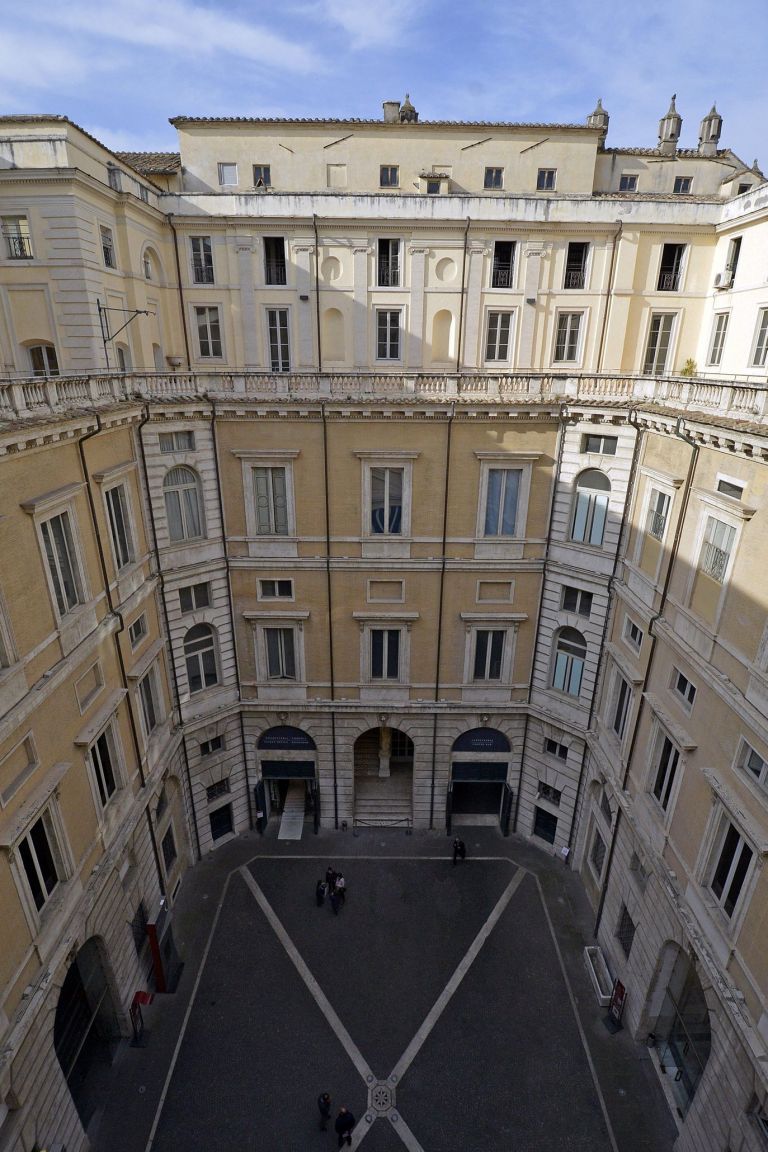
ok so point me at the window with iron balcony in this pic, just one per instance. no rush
(671, 267)
(388, 263)
(275, 271)
(503, 271)
(576, 265)
(17, 238)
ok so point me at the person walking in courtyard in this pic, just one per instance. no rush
(320, 892)
(340, 887)
(345, 1122)
(324, 1105)
(330, 877)
(459, 850)
(335, 900)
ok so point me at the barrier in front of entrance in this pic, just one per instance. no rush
(474, 771)
(404, 822)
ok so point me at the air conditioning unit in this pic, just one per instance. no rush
(724, 279)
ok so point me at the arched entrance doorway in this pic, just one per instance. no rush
(288, 764)
(682, 1028)
(478, 792)
(384, 778)
(86, 1029)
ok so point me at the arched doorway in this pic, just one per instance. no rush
(384, 778)
(288, 763)
(478, 792)
(682, 1028)
(86, 1029)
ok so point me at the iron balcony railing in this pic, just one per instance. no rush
(502, 274)
(389, 274)
(668, 282)
(19, 247)
(714, 562)
(656, 524)
(275, 272)
(202, 273)
(575, 278)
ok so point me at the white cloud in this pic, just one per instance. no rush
(371, 25)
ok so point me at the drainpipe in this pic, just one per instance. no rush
(682, 435)
(317, 295)
(447, 473)
(631, 419)
(609, 296)
(563, 420)
(118, 650)
(182, 304)
(461, 298)
(225, 543)
(328, 588)
(174, 678)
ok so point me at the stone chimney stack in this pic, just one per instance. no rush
(391, 111)
(709, 133)
(669, 130)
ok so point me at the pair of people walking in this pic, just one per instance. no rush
(344, 1122)
(335, 887)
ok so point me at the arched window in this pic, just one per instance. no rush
(200, 655)
(181, 489)
(123, 357)
(43, 359)
(570, 654)
(591, 507)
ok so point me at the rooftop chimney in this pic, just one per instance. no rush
(669, 130)
(709, 133)
(391, 111)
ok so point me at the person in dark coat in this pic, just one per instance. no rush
(320, 892)
(330, 877)
(459, 850)
(340, 887)
(345, 1122)
(324, 1106)
(335, 900)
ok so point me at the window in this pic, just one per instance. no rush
(277, 325)
(276, 589)
(214, 791)
(208, 747)
(761, 341)
(621, 698)
(732, 262)
(628, 182)
(670, 269)
(385, 653)
(388, 334)
(489, 653)
(570, 655)
(577, 600)
(605, 808)
(684, 688)
(123, 358)
(658, 511)
(181, 489)
(604, 445)
(625, 932)
(657, 348)
(667, 759)
(262, 176)
(120, 526)
(497, 341)
(553, 748)
(40, 860)
(17, 238)
(567, 338)
(271, 501)
(544, 824)
(754, 765)
(632, 634)
(200, 658)
(388, 263)
(43, 360)
(108, 247)
(389, 176)
(149, 697)
(89, 685)
(730, 488)
(682, 185)
(502, 488)
(433, 187)
(275, 268)
(177, 442)
(576, 265)
(597, 853)
(550, 794)
(742, 188)
(733, 857)
(227, 174)
(545, 180)
(386, 501)
(221, 821)
(590, 510)
(138, 630)
(494, 178)
(169, 849)
(63, 565)
(202, 259)
(208, 332)
(104, 762)
(147, 266)
(503, 268)
(281, 653)
(195, 596)
(716, 549)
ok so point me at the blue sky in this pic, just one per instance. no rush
(120, 68)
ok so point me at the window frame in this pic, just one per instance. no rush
(715, 516)
(222, 168)
(715, 857)
(123, 553)
(137, 634)
(278, 342)
(626, 636)
(66, 513)
(758, 780)
(372, 463)
(392, 337)
(389, 263)
(686, 696)
(631, 180)
(191, 591)
(186, 537)
(496, 317)
(585, 506)
(574, 664)
(48, 366)
(682, 185)
(151, 695)
(597, 870)
(546, 180)
(262, 594)
(650, 365)
(276, 543)
(580, 593)
(389, 168)
(676, 278)
(265, 174)
(208, 330)
(564, 319)
(287, 655)
(493, 179)
(107, 245)
(201, 251)
(619, 703)
(196, 666)
(665, 770)
(759, 354)
(49, 817)
(15, 228)
(116, 765)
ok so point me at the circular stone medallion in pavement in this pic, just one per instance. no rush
(382, 1097)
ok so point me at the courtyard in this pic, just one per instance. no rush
(447, 1007)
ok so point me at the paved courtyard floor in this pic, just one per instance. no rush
(447, 1007)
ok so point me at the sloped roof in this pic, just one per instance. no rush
(152, 163)
(180, 121)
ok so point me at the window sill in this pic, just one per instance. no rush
(494, 548)
(383, 547)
